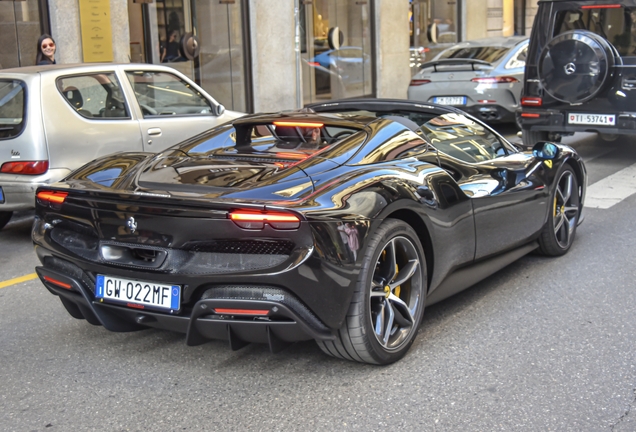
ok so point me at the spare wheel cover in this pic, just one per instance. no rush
(575, 66)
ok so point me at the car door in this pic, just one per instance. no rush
(509, 199)
(86, 116)
(171, 108)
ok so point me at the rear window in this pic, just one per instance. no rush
(12, 108)
(487, 54)
(617, 25)
(281, 140)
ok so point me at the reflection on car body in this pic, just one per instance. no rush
(276, 228)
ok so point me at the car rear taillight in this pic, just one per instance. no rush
(52, 197)
(254, 312)
(496, 80)
(298, 124)
(58, 283)
(418, 82)
(531, 101)
(257, 220)
(602, 6)
(25, 167)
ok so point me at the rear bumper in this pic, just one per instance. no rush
(555, 121)
(19, 190)
(285, 322)
(495, 103)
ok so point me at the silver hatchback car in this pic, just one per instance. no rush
(54, 119)
(483, 77)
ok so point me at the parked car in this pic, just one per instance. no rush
(580, 75)
(338, 224)
(54, 119)
(484, 77)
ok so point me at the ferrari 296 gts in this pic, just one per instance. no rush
(338, 223)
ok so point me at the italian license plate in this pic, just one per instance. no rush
(138, 294)
(450, 100)
(1, 196)
(592, 119)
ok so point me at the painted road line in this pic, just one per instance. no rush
(612, 190)
(18, 280)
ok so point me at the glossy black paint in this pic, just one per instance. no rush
(471, 219)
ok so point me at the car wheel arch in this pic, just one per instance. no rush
(415, 221)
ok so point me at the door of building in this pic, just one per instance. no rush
(20, 29)
(335, 49)
(204, 40)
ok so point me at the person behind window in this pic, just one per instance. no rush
(313, 139)
(170, 52)
(46, 51)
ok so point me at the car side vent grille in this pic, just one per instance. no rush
(253, 247)
(252, 159)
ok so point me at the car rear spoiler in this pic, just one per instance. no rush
(455, 62)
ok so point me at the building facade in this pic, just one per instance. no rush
(255, 55)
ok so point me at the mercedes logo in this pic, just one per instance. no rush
(569, 68)
(132, 225)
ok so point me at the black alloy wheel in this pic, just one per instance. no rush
(388, 303)
(5, 217)
(558, 233)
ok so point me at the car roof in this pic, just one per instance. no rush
(61, 69)
(500, 41)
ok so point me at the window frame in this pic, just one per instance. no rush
(25, 101)
(211, 103)
(125, 101)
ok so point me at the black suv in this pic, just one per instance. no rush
(580, 71)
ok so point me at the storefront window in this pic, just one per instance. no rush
(20, 30)
(433, 27)
(221, 62)
(203, 40)
(335, 49)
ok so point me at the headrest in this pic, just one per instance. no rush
(74, 97)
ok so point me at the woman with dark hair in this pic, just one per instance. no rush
(46, 50)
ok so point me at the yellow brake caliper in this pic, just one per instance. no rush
(397, 289)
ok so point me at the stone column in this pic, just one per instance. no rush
(65, 29)
(272, 33)
(393, 73)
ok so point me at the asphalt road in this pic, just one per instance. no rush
(545, 344)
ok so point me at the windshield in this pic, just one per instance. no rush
(487, 54)
(617, 25)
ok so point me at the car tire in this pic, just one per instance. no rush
(387, 306)
(5, 217)
(558, 233)
(576, 65)
(530, 137)
(608, 137)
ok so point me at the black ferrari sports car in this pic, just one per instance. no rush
(337, 223)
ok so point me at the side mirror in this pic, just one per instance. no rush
(545, 150)
(219, 110)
